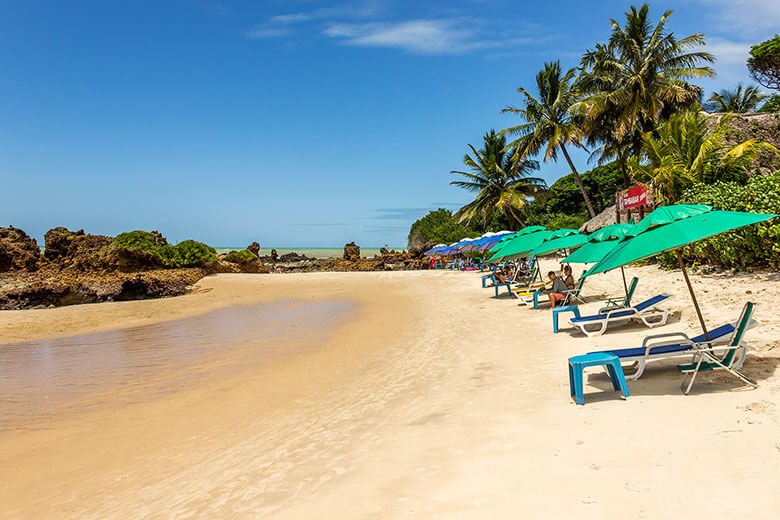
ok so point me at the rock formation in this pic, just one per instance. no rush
(254, 248)
(18, 251)
(351, 252)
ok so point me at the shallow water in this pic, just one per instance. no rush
(41, 379)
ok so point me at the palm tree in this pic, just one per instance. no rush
(741, 100)
(548, 121)
(636, 81)
(686, 150)
(501, 181)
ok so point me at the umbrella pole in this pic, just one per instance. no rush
(693, 296)
(625, 285)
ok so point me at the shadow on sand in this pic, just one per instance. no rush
(662, 378)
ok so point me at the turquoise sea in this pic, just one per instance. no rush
(313, 252)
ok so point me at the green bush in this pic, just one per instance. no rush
(752, 246)
(244, 256)
(188, 253)
(565, 197)
(140, 240)
(772, 104)
(438, 227)
(557, 220)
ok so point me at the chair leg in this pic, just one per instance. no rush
(571, 380)
(620, 379)
(613, 377)
(579, 397)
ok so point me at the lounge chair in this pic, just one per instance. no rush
(497, 285)
(728, 356)
(487, 277)
(664, 346)
(621, 302)
(646, 312)
(571, 297)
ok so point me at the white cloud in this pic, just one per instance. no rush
(265, 32)
(752, 18)
(728, 52)
(437, 36)
(285, 19)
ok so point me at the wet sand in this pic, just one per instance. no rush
(426, 398)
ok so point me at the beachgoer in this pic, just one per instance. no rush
(557, 292)
(274, 255)
(568, 278)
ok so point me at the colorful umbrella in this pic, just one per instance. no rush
(507, 238)
(600, 243)
(521, 245)
(560, 239)
(671, 227)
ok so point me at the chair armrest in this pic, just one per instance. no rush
(717, 345)
(667, 339)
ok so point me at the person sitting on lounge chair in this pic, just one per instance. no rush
(556, 293)
(568, 278)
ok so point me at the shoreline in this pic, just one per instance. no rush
(434, 399)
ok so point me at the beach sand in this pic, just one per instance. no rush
(425, 397)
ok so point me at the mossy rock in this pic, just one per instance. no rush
(243, 256)
(139, 249)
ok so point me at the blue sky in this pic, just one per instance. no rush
(295, 122)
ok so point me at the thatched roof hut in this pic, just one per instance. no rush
(603, 219)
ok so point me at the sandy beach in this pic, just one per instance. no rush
(390, 395)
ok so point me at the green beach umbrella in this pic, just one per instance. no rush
(601, 242)
(560, 239)
(505, 240)
(671, 227)
(521, 245)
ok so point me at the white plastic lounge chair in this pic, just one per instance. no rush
(621, 302)
(665, 346)
(729, 356)
(646, 312)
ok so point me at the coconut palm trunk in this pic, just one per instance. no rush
(520, 222)
(577, 178)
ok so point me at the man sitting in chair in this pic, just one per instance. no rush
(556, 293)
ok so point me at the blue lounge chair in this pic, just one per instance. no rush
(646, 312)
(497, 285)
(714, 355)
(621, 302)
(664, 346)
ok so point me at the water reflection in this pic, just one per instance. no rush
(39, 379)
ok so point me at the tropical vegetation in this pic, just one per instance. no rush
(633, 105)
(636, 81)
(764, 63)
(501, 181)
(549, 124)
(686, 151)
(188, 253)
(757, 245)
(741, 99)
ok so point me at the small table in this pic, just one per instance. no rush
(557, 310)
(610, 361)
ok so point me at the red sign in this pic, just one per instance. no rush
(632, 197)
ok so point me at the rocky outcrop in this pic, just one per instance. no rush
(52, 287)
(59, 242)
(764, 126)
(244, 261)
(351, 252)
(18, 251)
(81, 268)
